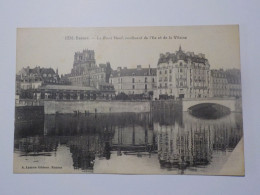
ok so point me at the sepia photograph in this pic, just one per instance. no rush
(129, 100)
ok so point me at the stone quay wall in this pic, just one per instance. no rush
(67, 107)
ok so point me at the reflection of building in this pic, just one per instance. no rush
(192, 143)
(134, 81)
(183, 74)
(226, 83)
(32, 145)
(178, 147)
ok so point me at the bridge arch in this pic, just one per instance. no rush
(208, 110)
(225, 102)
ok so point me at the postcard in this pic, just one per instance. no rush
(129, 100)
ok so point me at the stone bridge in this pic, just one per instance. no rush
(230, 103)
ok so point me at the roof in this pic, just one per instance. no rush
(181, 55)
(102, 65)
(69, 87)
(232, 76)
(134, 72)
(47, 71)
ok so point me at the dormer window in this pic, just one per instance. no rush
(133, 74)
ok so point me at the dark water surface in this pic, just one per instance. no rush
(158, 143)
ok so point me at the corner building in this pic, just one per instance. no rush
(183, 75)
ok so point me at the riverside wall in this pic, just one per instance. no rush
(66, 107)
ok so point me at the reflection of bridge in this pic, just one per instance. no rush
(227, 102)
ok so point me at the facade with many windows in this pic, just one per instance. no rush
(219, 83)
(183, 75)
(226, 83)
(134, 81)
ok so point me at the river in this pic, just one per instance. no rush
(126, 143)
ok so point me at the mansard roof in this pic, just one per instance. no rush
(233, 76)
(181, 55)
(47, 71)
(134, 72)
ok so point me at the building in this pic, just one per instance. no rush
(219, 83)
(67, 92)
(134, 81)
(234, 82)
(183, 75)
(226, 83)
(85, 72)
(33, 78)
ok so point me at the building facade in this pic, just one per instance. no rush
(33, 78)
(86, 72)
(134, 81)
(219, 83)
(226, 83)
(183, 75)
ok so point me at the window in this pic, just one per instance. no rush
(181, 70)
(165, 71)
(165, 84)
(153, 80)
(133, 87)
(133, 80)
(160, 72)
(170, 71)
(145, 80)
(145, 87)
(181, 83)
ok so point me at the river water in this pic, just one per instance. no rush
(126, 143)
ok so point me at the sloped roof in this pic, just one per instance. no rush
(69, 87)
(181, 55)
(47, 71)
(134, 72)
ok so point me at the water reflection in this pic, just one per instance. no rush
(179, 140)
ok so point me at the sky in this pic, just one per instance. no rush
(55, 47)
